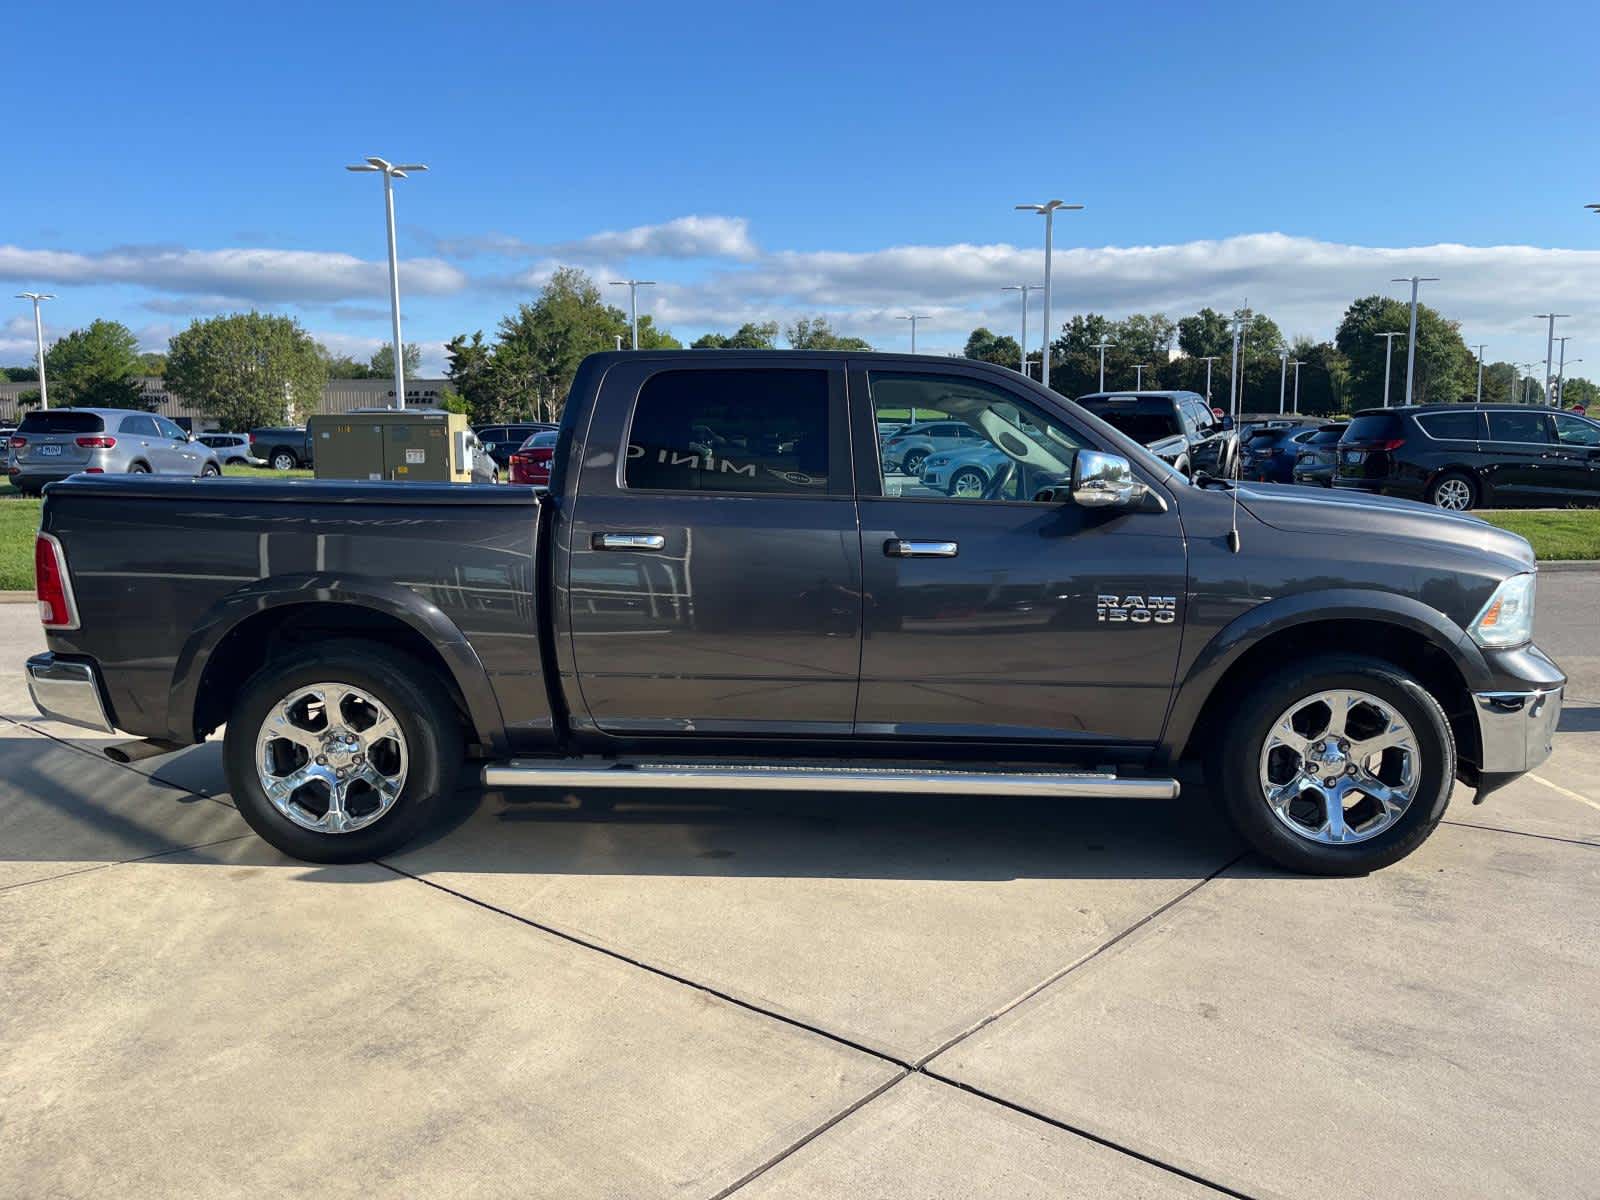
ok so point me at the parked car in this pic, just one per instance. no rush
(285, 448)
(907, 449)
(484, 467)
(530, 463)
(772, 617)
(231, 448)
(51, 444)
(1315, 461)
(1463, 456)
(502, 441)
(1176, 427)
(964, 473)
(1269, 454)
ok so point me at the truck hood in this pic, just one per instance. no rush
(1318, 510)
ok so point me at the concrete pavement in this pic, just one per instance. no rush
(600, 994)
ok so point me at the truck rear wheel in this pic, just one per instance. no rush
(1336, 766)
(342, 752)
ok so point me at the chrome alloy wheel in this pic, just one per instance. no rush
(1454, 494)
(1340, 767)
(331, 758)
(968, 484)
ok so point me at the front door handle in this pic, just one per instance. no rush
(628, 541)
(902, 548)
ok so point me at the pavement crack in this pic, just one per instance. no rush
(1547, 837)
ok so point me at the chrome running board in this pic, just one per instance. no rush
(533, 772)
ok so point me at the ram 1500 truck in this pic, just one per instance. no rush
(723, 588)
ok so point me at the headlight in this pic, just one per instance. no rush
(938, 460)
(1507, 619)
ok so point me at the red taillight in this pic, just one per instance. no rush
(252, 439)
(1392, 444)
(97, 442)
(53, 585)
(17, 443)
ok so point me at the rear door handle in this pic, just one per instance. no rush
(902, 548)
(629, 541)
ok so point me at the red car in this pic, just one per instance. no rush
(530, 462)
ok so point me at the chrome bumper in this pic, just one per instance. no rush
(67, 691)
(1516, 729)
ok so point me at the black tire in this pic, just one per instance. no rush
(1234, 764)
(434, 744)
(1448, 485)
(911, 464)
(284, 460)
(139, 468)
(970, 473)
(210, 471)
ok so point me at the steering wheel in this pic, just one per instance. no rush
(1003, 475)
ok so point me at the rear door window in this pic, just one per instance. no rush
(140, 426)
(762, 431)
(61, 422)
(1525, 427)
(1463, 426)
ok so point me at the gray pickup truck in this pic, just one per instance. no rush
(723, 588)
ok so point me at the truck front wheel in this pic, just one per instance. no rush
(341, 752)
(1336, 766)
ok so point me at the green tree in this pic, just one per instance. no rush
(652, 337)
(1207, 333)
(1445, 369)
(542, 343)
(985, 346)
(20, 374)
(342, 366)
(153, 363)
(243, 369)
(96, 367)
(749, 336)
(1579, 391)
(381, 364)
(815, 333)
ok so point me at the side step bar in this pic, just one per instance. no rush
(534, 772)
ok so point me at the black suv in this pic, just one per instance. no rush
(1462, 456)
(501, 441)
(1178, 427)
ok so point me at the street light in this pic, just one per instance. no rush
(1138, 376)
(1481, 348)
(1048, 211)
(1411, 338)
(913, 318)
(391, 172)
(1527, 378)
(633, 286)
(1388, 358)
(1235, 381)
(1102, 345)
(1208, 360)
(1024, 288)
(1549, 346)
(1283, 379)
(38, 340)
(1297, 364)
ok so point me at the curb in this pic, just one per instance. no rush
(17, 597)
(1570, 564)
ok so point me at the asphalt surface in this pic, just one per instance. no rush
(602, 994)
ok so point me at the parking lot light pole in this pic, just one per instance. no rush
(1482, 346)
(1411, 338)
(38, 340)
(1549, 347)
(1048, 210)
(633, 286)
(1297, 364)
(1024, 289)
(913, 318)
(1138, 376)
(391, 172)
(1388, 358)
(1283, 379)
(1102, 345)
(1208, 360)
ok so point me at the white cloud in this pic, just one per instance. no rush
(235, 274)
(690, 237)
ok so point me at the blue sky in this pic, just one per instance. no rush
(173, 161)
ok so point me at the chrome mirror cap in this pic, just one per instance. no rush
(1101, 480)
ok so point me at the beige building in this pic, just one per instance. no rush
(338, 395)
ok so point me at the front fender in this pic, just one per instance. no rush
(1285, 612)
(379, 595)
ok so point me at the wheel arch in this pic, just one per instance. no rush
(1395, 629)
(239, 634)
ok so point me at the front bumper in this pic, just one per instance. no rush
(67, 691)
(1516, 732)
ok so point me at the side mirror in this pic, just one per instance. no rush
(1227, 423)
(1101, 480)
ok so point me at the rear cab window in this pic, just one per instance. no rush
(732, 431)
(1464, 426)
(62, 421)
(1144, 420)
